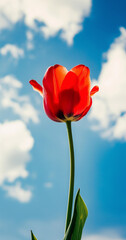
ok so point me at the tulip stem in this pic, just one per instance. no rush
(71, 185)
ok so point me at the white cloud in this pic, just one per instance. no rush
(10, 98)
(106, 234)
(15, 143)
(15, 51)
(17, 192)
(101, 237)
(108, 112)
(48, 184)
(54, 16)
(11, 81)
(16, 140)
(29, 36)
(4, 23)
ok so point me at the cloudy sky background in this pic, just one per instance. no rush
(34, 154)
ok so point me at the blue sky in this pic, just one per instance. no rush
(34, 153)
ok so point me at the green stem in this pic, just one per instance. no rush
(71, 185)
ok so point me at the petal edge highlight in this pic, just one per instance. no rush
(37, 87)
(94, 90)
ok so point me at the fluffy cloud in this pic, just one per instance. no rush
(15, 143)
(29, 36)
(48, 184)
(17, 192)
(109, 106)
(52, 16)
(106, 234)
(10, 98)
(15, 51)
(99, 237)
(16, 140)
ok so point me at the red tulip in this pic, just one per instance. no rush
(66, 95)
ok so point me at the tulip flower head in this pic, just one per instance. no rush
(66, 94)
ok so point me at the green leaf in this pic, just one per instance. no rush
(80, 213)
(32, 236)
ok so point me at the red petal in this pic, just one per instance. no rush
(70, 81)
(68, 96)
(48, 80)
(37, 87)
(67, 100)
(94, 90)
(53, 79)
(86, 110)
(60, 73)
(50, 108)
(84, 100)
(82, 72)
(49, 113)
